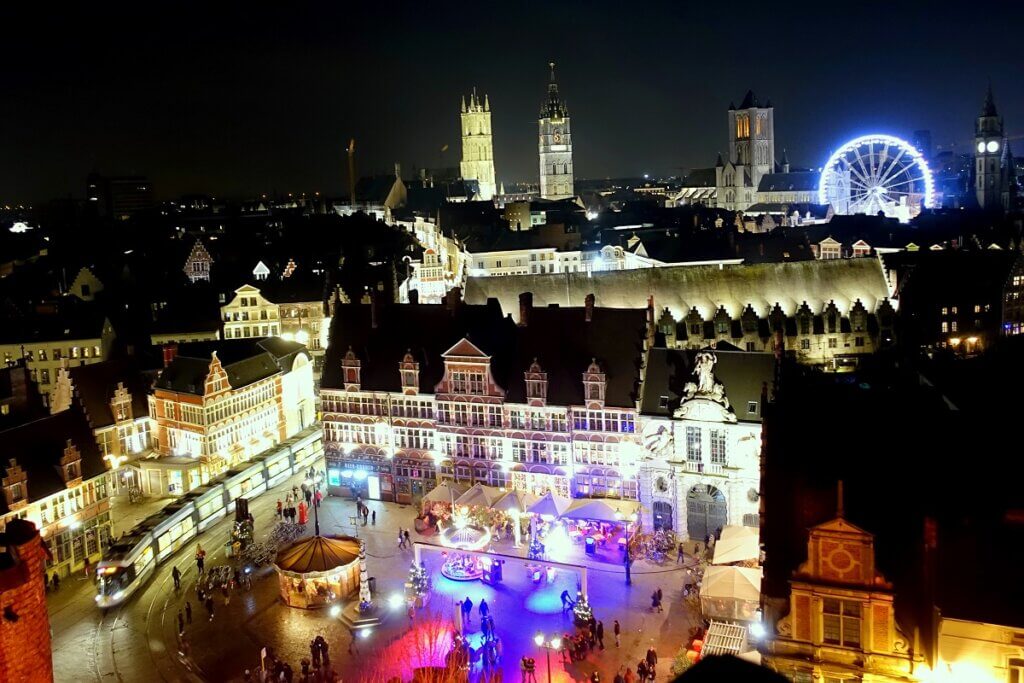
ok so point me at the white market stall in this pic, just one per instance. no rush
(737, 544)
(731, 593)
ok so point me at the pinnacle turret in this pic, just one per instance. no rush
(989, 108)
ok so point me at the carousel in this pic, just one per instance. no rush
(462, 535)
(317, 571)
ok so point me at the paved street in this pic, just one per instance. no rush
(138, 640)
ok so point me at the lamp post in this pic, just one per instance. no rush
(628, 560)
(314, 482)
(548, 645)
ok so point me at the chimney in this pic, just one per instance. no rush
(588, 304)
(525, 305)
(453, 299)
(374, 306)
(170, 353)
(414, 296)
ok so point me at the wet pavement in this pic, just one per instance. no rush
(138, 640)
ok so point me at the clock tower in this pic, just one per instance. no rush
(989, 155)
(555, 146)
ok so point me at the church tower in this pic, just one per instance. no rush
(989, 155)
(752, 137)
(477, 146)
(555, 146)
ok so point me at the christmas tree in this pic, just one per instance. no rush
(365, 598)
(536, 549)
(581, 611)
(242, 533)
(419, 580)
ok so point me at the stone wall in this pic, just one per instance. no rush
(25, 653)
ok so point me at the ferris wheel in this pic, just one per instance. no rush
(876, 173)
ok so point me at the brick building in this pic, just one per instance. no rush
(25, 646)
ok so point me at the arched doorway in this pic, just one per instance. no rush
(662, 512)
(706, 511)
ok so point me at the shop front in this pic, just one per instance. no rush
(366, 480)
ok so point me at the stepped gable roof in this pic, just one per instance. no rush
(613, 337)
(245, 360)
(798, 181)
(681, 288)
(38, 447)
(743, 374)
(95, 384)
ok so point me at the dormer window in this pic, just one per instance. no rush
(536, 384)
(594, 384)
(409, 369)
(15, 486)
(350, 369)
(71, 465)
(121, 404)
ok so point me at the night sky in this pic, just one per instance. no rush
(234, 99)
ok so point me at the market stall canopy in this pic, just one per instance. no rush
(318, 554)
(732, 583)
(550, 504)
(479, 494)
(444, 493)
(737, 544)
(515, 500)
(602, 509)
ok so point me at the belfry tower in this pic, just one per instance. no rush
(477, 145)
(556, 176)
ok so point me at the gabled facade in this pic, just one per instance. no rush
(198, 264)
(841, 625)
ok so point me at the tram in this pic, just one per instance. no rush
(127, 564)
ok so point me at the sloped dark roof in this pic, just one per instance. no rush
(789, 182)
(245, 361)
(742, 373)
(701, 177)
(952, 275)
(38, 447)
(614, 337)
(94, 387)
(295, 289)
(73, 320)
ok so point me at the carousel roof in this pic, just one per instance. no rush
(318, 554)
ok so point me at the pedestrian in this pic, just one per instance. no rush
(314, 652)
(566, 600)
(200, 558)
(353, 646)
(375, 517)
(176, 575)
(209, 606)
(655, 605)
(628, 675)
(181, 623)
(652, 660)
(280, 509)
(467, 609)
(324, 651)
(618, 632)
(660, 595)
(483, 608)
(619, 678)
(707, 540)
(641, 671)
(226, 593)
(408, 541)
(599, 631)
(56, 582)
(401, 538)
(680, 554)
(317, 497)
(188, 612)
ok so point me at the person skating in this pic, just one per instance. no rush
(618, 631)
(188, 612)
(176, 575)
(567, 602)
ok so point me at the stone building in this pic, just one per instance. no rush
(701, 414)
(25, 645)
(995, 180)
(555, 147)
(823, 312)
(197, 265)
(477, 145)
(216, 405)
(415, 394)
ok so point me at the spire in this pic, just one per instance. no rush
(554, 107)
(487, 103)
(839, 500)
(463, 104)
(989, 108)
(552, 85)
(472, 98)
(719, 163)
(749, 101)
(501, 188)
(785, 157)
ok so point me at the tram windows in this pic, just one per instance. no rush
(172, 537)
(113, 580)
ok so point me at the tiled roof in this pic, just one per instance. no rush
(94, 387)
(244, 360)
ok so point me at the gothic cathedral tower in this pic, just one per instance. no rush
(989, 151)
(555, 146)
(477, 146)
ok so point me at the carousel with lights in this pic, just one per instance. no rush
(462, 535)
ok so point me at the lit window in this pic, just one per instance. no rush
(841, 622)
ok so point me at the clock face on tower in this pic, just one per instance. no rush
(557, 137)
(992, 146)
(981, 147)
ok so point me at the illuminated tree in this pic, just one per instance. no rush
(419, 580)
(365, 598)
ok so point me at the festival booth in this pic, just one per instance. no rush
(550, 505)
(314, 572)
(738, 544)
(479, 495)
(601, 522)
(445, 493)
(515, 504)
(731, 593)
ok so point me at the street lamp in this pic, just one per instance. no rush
(628, 560)
(314, 482)
(554, 644)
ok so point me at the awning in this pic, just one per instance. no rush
(736, 583)
(737, 544)
(445, 492)
(519, 501)
(479, 494)
(550, 504)
(602, 509)
(318, 554)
